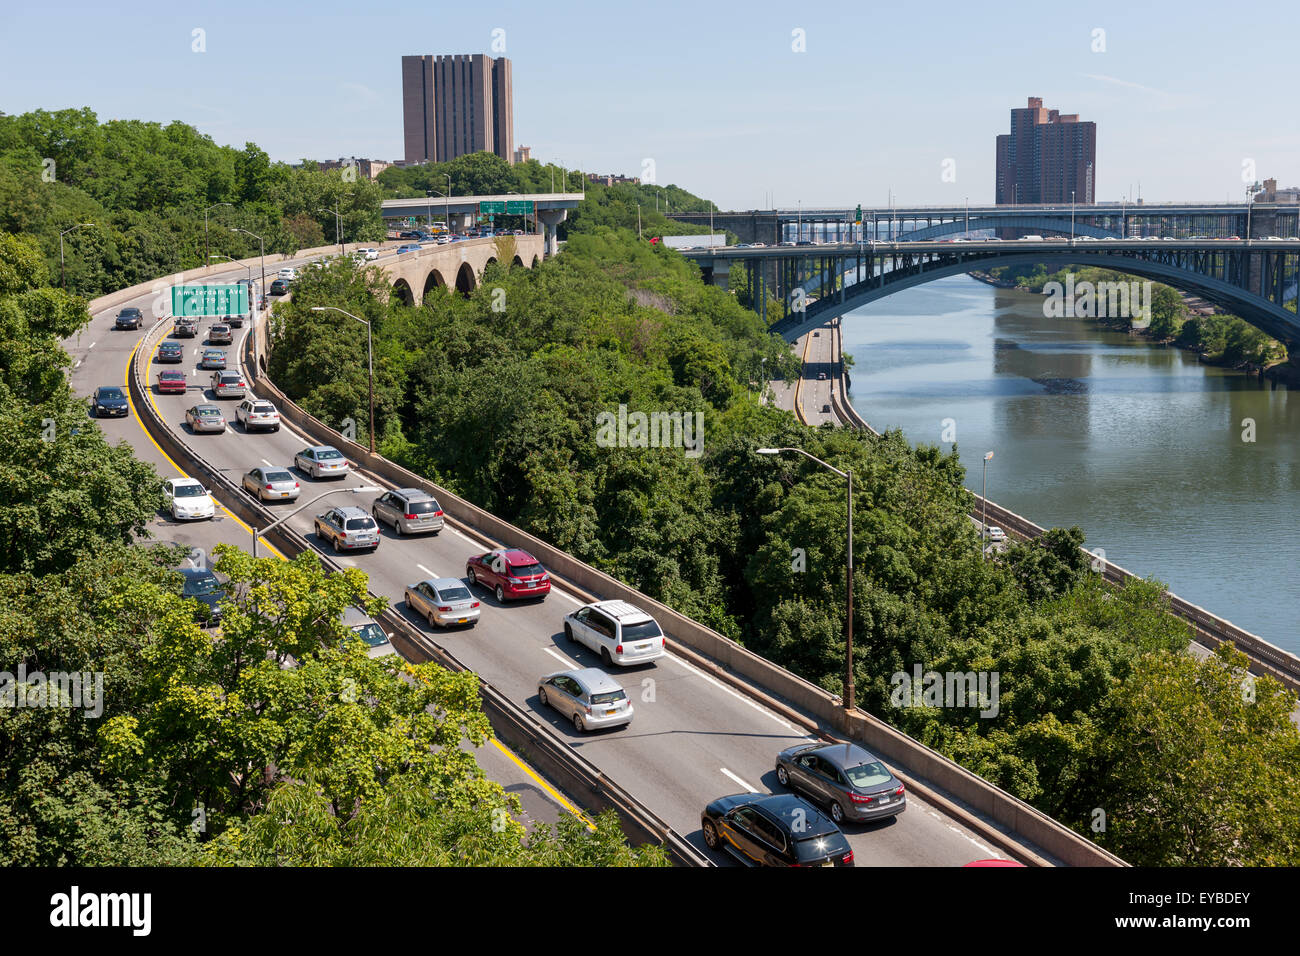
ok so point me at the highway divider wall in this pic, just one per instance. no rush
(1009, 811)
(511, 723)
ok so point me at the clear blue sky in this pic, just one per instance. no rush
(885, 92)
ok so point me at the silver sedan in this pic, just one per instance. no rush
(443, 602)
(272, 484)
(205, 418)
(589, 697)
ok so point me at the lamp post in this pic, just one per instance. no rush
(258, 532)
(63, 275)
(262, 259)
(446, 207)
(849, 694)
(338, 231)
(1071, 215)
(207, 247)
(967, 207)
(984, 502)
(371, 352)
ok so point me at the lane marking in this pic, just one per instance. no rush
(267, 463)
(426, 570)
(567, 662)
(747, 787)
(90, 346)
(555, 795)
(740, 697)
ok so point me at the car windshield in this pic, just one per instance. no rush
(454, 594)
(188, 491)
(359, 524)
(110, 393)
(131, 311)
(201, 584)
(818, 847)
(278, 476)
(525, 570)
(329, 454)
(634, 632)
(371, 633)
(867, 774)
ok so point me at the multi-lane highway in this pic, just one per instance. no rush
(693, 737)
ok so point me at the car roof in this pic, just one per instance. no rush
(439, 584)
(412, 494)
(621, 610)
(845, 755)
(352, 511)
(320, 448)
(517, 556)
(171, 373)
(186, 481)
(207, 407)
(353, 615)
(785, 809)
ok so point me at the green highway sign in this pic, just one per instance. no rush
(210, 300)
(492, 207)
(519, 207)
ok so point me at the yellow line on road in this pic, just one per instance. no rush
(543, 784)
(126, 382)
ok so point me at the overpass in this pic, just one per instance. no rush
(1253, 279)
(457, 265)
(1181, 220)
(545, 210)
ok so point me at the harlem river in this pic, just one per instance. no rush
(1177, 470)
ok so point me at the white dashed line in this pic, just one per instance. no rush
(91, 345)
(560, 657)
(747, 787)
(267, 463)
(426, 570)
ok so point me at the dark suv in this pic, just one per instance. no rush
(774, 830)
(129, 318)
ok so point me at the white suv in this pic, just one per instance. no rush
(617, 631)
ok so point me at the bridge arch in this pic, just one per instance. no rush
(432, 281)
(1031, 224)
(1267, 316)
(402, 291)
(517, 262)
(466, 280)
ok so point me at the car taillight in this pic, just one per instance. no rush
(295, 484)
(269, 488)
(440, 608)
(410, 517)
(437, 514)
(899, 791)
(515, 580)
(847, 858)
(859, 798)
(343, 534)
(475, 604)
(619, 649)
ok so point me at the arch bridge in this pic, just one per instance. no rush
(457, 265)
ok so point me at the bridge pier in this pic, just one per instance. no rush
(550, 218)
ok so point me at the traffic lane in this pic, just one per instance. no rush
(688, 745)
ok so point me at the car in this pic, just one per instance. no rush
(213, 358)
(228, 385)
(321, 460)
(509, 573)
(208, 591)
(589, 697)
(774, 830)
(109, 401)
(185, 327)
(443, 240)
(443, 602)
(272, 484)
(205, 418)
(618, 631)
(220, 334)
(188, 500)
(758, 245)
(409, 247)
(365, 627)
(1031, 239)
(169, 351)
(369, 255)
(821, 376)
(816, 333)
(128, 318)
(409, 511)
(172, 382)
(826, 408)
(288, 272)
(235, 321)
(348, 528)
(408, 235)
(257, 413)
(997, 534)
(280, 287)
(853, 782)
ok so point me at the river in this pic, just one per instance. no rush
(1139, 445)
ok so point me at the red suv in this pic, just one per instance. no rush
(511, 573)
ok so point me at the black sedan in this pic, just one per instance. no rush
(854, 783)
(774, 830)
(109, 401)
(206, 588)
(171, 351)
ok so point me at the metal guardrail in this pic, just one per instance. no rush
(512, 724)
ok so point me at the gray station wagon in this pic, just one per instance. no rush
(589, 697)
(348, 529)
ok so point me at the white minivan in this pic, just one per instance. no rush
(619, 632)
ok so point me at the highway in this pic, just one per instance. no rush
(693, 738)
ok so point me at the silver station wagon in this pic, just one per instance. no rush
(589, 697)
(443, 602)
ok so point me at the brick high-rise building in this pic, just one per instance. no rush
(1046, 157)
(453, 105)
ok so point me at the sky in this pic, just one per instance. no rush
(748, 104)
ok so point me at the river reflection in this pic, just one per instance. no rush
(1141, 446)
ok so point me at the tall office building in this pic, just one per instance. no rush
(453, 105)
(1046, 157)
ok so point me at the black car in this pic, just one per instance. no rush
(109, 401)
(280, 287)
(171, 352)
(854, 783)
(408, 235)
(207, 589)
(774, 830)
(129, 318)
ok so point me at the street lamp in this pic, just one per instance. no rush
(258, 532)
(849, 695)
(1071, 215)
(63, 275)
(262, 257)
(984, 501)
(207, 247)
(446, 208)
(338, 231)
(371, 352)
